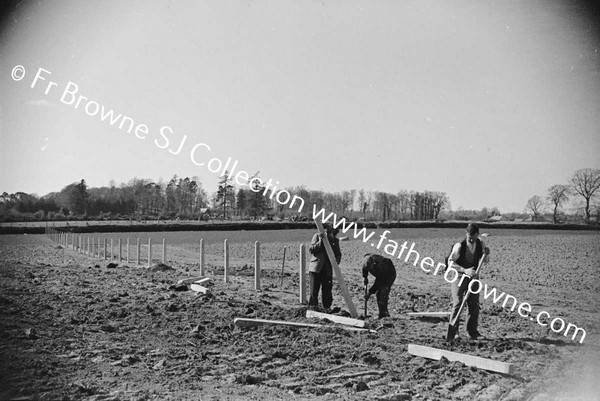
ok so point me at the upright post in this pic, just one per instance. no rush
(99, 248)
(226, 261)
(105, 254)
(336, 271)
(201, 257)
(257, 265)
(149, 251)
(138, 252)
(283, 266)
(112, 250)
(127, 246)
(164, 255)
(120, 250)
(302, 274)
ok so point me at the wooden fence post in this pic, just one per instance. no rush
(257, 265)
(164, 253)
(302, 274)
(336, 271)
(149, 251)
(201, 257)
(127, 250)
(225, 261)
(138, 252)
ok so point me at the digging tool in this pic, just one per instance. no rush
(366, 300)
(282, 266)
(452, 327)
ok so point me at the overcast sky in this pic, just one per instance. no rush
(491, 102)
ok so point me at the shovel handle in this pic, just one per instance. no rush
(464, 301)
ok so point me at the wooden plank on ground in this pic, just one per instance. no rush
(245, 322)
(336, 319)
(199, 288)
(336, 271)
(203, 280)
(190, 280)
(429, 314)
(469, 360)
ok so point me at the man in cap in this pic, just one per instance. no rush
(320, 269)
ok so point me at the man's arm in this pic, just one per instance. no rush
(316, 244)
(337, 251)
(454, 255)
(486, 253)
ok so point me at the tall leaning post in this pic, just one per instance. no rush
(336, 271)
(201, 257)
(257, 265)
(225, 261)
(302, 274)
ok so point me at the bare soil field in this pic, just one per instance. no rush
(72, 328)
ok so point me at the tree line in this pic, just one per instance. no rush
(583, 185)
(185, 198)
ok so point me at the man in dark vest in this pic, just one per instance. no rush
(320, 270)
(385, 274)
(464, 258)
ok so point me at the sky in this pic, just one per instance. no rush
(491, 102)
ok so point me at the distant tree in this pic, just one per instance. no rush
(440, 202)
(225, 195)
(557, 195)
(347, 199)
(241, 201)
(257, 203)
(536, 206)
(75, 197)
(363, 202)
(586, 182)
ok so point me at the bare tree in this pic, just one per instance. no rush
(586, 182)
(557, 195)
(536, 206)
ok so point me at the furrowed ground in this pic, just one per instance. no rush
(71, 328)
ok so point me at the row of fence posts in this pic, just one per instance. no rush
(86, 245)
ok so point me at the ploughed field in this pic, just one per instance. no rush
(71, 328)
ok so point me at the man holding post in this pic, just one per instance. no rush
(320, 269)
